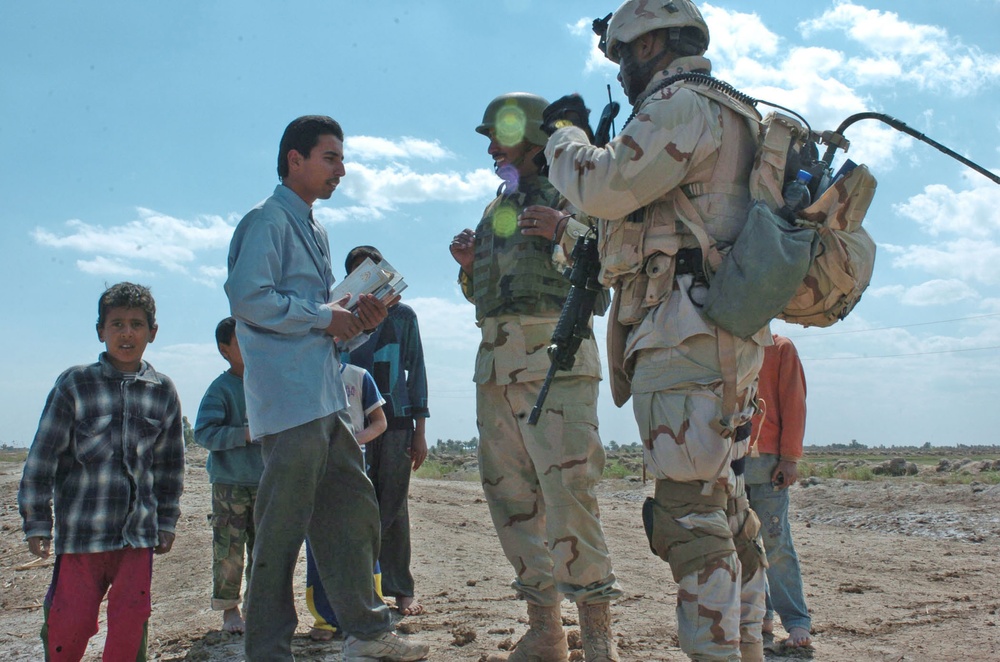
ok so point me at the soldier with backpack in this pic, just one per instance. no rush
(673, 181)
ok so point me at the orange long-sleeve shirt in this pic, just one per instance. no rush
(782, 387)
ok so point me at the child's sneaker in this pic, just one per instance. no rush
(389, 646)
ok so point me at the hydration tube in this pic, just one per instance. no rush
(836, 139)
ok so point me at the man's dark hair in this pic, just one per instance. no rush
(126, 295)
(302, 135)
(359, 253)
(225, 330)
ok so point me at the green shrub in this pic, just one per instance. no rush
(856, 473)
(434, 469)
(617, 469)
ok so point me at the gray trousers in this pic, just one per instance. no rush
(314, 484)
(389, 466)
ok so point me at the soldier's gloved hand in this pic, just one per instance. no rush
(569, 108)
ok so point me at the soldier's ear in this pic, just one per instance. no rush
(647, 46)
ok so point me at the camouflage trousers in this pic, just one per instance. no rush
(685, 447)
(540, 482)
(232, 538)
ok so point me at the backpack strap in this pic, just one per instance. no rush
(694, 189)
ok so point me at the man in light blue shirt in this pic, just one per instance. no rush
(314, 481)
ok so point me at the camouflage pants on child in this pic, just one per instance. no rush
(232, 540)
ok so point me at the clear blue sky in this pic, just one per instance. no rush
(136, 134)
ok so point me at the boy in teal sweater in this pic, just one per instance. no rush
(234, 468)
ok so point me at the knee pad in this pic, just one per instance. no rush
(686, 550)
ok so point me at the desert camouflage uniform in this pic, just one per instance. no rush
(539, 480)
(664, 352)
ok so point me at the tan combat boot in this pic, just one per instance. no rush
(595, 631)
(545, 640)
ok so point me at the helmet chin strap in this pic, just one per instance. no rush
(640, 73)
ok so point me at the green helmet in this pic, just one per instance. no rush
(637, 17)
(515, 117)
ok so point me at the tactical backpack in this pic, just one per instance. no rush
(810, 268)
(842, 267)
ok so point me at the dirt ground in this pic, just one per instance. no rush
(894, 570)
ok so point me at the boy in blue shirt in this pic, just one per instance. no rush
(394, 356)
(364, 406)
(108, 462)
(234, 468)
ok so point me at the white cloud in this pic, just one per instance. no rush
(447, 323)
(807, 79)
(102, 266)
(923, 55)
(737, 36)
(353, 214)
(363, 148)
(974, 212)
(895, 291)
(154, 236)
(214, 273)
(596, 61)
(964, 259)
(938, 292)
(163, 240)
(387, 188)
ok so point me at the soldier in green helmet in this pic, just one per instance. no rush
(539, 479)
(674, 188)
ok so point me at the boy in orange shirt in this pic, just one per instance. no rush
(781, 428)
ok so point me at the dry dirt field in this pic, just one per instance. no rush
(894, 570)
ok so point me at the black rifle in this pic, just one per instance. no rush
(607, 122)
(573, 326)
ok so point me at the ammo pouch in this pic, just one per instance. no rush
(684, 549)
(762, 272)
(748, 548)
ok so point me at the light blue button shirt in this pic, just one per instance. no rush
(279, 292)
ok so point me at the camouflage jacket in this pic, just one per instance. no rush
(519, 289)
(681, 148)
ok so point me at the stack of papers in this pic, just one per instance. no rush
(380, 279)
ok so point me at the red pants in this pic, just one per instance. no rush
(79, 582)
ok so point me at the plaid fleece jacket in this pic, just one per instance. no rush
(109, 457)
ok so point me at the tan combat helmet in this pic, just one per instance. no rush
(514, 117)
(637, 17)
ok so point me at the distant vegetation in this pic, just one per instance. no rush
(960, 464)
(11, 454)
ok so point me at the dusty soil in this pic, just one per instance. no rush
(894, 570)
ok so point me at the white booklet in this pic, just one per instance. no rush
(380, 279)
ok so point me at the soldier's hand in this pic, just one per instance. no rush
(463, 249)
(570, 108)
(541, 221)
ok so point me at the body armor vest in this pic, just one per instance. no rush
(513, 273)
(638, 253)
